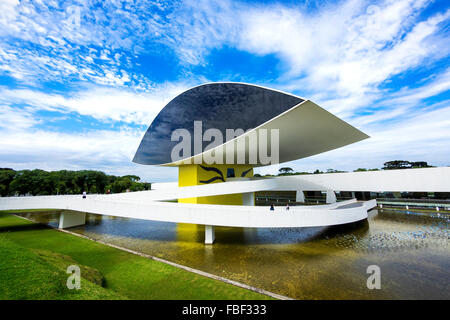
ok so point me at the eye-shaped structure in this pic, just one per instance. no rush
(265, 124)
(305, 129)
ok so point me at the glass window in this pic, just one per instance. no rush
(230, 173)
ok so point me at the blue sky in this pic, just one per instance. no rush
(80, 81)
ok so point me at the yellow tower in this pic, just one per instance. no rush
(200, 174)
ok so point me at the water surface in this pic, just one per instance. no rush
(411, 250)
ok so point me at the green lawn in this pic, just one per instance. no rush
(34, 258)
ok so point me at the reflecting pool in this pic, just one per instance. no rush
(411, 249)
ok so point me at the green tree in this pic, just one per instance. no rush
(396, 164)
(21, 184)
(132, 178)
(6, 177)
(120, 185)
(40, 182)
(285, 170)
(140, 186)
(420, 164)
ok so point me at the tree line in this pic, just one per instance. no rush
(41, 182)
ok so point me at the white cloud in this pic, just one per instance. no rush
(403, 103)
(421, 137)
(24, 145)
(197, 26)
(8, 11)
(346, 49)
(106, 150)
(104, 104)
(339, 55)
(16, 119)
(54, 39)
(411, 96)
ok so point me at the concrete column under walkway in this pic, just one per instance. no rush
(331, 197)
(210, 235)
(299, 196)
(69, 219)
(248, 199)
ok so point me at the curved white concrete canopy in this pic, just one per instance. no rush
(304, 130)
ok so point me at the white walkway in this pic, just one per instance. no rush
(150, 205)
(147, 205)
(214, 215)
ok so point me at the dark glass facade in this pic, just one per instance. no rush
(218, 105)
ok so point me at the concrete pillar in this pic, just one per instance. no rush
(353, 195)
(210, 235)
(300, 196)
(331, 196)
(248, 199)
(69, 219)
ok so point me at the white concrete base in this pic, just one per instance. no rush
(300, 196)
(248, 199)
(331, 197)
(69, 219)
(210, 235)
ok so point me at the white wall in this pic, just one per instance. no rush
(406, 180)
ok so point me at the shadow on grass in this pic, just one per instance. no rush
(26, 227)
